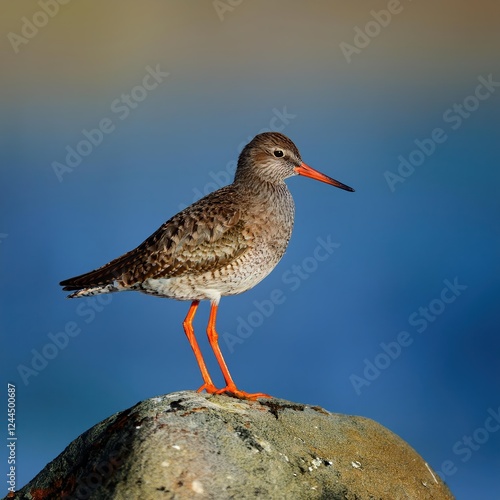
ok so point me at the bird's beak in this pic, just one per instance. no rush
(308, 171)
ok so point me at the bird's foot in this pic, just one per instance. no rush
(210, 388)
(232, 390)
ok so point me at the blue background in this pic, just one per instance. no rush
(227, 76)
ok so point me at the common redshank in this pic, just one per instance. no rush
(223, 244)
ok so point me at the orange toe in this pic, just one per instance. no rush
(233, 391)
(210, 388)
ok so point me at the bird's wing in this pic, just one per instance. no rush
(204, 237)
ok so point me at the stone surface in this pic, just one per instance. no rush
(187, 445)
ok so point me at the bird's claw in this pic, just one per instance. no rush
(233, 391)
(210, 388)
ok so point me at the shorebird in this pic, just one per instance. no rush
(223, 244)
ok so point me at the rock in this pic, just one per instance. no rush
(187, 445)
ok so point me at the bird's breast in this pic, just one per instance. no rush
(269, 224)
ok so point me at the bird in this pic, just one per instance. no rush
(223, 244)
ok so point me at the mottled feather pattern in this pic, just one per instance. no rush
(201, 238)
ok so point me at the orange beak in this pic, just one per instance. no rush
(308, 171)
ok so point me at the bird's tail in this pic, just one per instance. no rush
(87, 292)
(111, 277)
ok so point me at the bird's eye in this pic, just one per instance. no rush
(278, 153)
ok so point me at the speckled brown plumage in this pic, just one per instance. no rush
(227, 227)
(223, 244)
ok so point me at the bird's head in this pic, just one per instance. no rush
(272, 157)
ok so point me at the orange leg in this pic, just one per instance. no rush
(208, 385)
(213, 338)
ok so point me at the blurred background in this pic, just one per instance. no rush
(115, 115)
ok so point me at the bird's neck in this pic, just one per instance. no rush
(261, 189)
